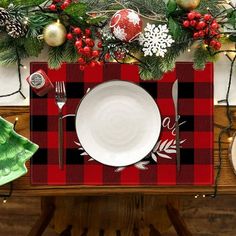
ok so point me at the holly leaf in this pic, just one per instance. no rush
(77, 9)
(175, 28)
(171, 6)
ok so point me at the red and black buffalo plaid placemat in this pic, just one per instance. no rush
(196, 129)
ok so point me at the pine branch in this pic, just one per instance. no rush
(56, 56)
(201, 57)
(152, 70)
(8, 49)
(28, 2)
(213, 5)
(8, 57)
(33, 46)
(5, 42)
(148, 6)
(37, 22)
(158, 66)
(77, 9)
(70, 53)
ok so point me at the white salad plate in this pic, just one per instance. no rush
(118, 123)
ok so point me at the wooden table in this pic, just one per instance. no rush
(22, 186)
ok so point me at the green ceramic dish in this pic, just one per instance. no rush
(15, 150)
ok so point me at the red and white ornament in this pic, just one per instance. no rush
(126, 25)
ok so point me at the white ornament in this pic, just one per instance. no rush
(133, 17)
(119, 33)
(155, 40)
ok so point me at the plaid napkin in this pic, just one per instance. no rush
(196, 129)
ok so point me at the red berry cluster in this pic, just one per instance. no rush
(59, 5)
(86, 48)
(204, 27)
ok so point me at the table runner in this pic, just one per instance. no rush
(196, 129)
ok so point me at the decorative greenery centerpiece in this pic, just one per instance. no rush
(152, 33)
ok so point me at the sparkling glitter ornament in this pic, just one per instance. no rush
(126, 25)
(188, 4)
(54, 34)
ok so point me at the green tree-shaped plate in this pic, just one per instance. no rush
(15, 150)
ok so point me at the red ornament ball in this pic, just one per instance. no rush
(217, 46)
(207, 17)
(186, 23)
(193, 23)
(214, 25)
(65, 5)
(99, 44)
(95, 53)
(52, 7)
(198, 15)
(87, 32)
(196, 35)
(69, 36)
(191, 15)
(126, 25)
(201, 24)
(87, 50)
(81, 61)
(79, 43)
(92, 64)
(77, 30)
(201, 33)
(213, 43)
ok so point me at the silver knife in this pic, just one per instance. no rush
(175, 100)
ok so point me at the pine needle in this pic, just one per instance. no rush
(56, 57)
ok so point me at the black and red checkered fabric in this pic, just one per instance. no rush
(195, 108)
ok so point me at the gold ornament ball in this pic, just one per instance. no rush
(188, 4)
(54, 34)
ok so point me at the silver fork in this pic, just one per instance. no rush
(60, 96)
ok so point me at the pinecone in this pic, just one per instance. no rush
(15, 28)
(4, 16)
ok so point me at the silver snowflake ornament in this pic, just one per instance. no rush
(155, 40)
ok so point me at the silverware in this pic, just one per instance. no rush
(60, 96)
(175, 100)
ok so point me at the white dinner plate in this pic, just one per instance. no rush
(118, 123)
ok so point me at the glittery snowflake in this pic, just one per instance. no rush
(119, 33)
(155, 40)
(133, 17)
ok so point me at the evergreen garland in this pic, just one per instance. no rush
(95, 14)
